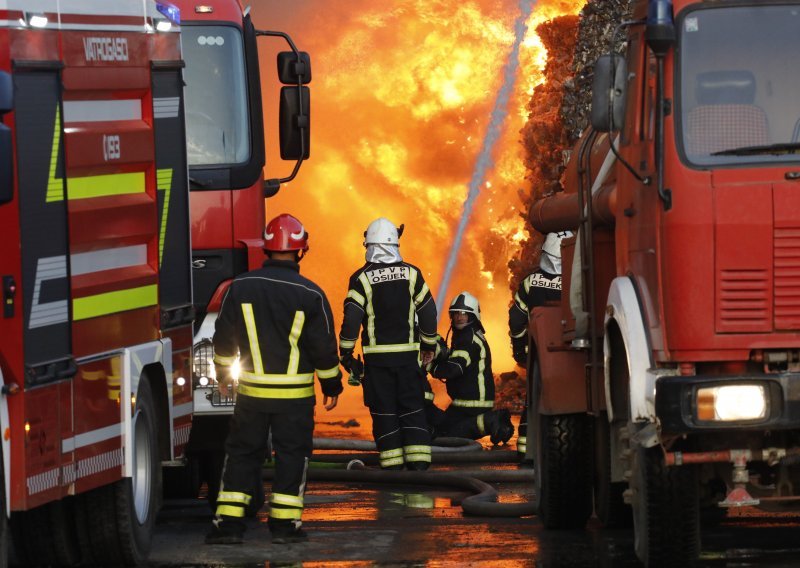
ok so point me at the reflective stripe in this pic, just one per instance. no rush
(369, 308)
(276, 513)
(520, 334)
(392, 461)
(473, 403)
(396, 348)
(107, 259)
(481, 368)
(105, 185)
(463, 354)
(359, 299)
(391, 453)
(284, 499)
(294, 335)
(418, 448)
(429, 339)
(108, 110)
(520, 303)
(224, 361)
(481, 425)
(259, 392)
(428, 395)
(522, 440)
(230, 510)
(303, 379)
(163, 183)
(347, 343)
(331, 373)
(418, 457)
(252, 336)
(55, 185)
(412, 283)
(234, 497)
(526, 284)
(421, 296)
(114, 302)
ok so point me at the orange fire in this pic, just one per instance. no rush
(400, 101)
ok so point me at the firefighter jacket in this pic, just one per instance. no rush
(281, 327)
(536, 289)
(394, 306)
(467, 369)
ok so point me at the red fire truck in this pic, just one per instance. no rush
(95, 336)
(673, 362)
(226, 156)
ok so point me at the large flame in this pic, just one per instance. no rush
(401, 98)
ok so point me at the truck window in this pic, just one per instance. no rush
(217, 130)
(738, 84)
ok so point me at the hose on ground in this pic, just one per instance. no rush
(489, 456)
(443, 445)
(483, 503)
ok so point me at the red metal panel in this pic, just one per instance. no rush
(182, 338)
(87, 143)
(211, 220)
(124, 219)
(100, 48)
(130, 78)
(110, 280)
(107, 333)
(223, 10)
(42, 445)
(787, 256)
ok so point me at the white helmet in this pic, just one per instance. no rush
(466, 303)
(550, 260)
(382, 232)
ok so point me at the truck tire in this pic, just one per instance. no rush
(609, 506)
(116, 521)
(45, 536)
(666, 510)
(562, 464)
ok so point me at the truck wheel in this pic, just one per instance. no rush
(45, 536)
(609, 506)
(562, 464)
(666, 510)
(118, 519)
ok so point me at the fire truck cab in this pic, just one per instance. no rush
(673, 363)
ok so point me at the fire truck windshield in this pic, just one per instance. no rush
(217, 119)
(738, 83)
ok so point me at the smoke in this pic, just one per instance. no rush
(484, 161)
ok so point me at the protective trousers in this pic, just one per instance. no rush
(472, 423)
(396, 399)
(246, 446)
(522, 431)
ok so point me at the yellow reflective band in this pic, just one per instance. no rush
(428, 395)
(412, 283)
(294, 335)
(481, 425)
(276, 513)
(163, 183)
(55, 185)
(520, 334)
(392, 453)
(526, 284)
(422, 293)
(283, 499)
(224, 361)
(473, 403)
(520, 303)
(417, 449)
(114, 302)
(331, 373)
(359, 299)
(522, 440)
(396, 348)
(463, 354)
(418, 457)
(392, 461)
(252, 336)
(429, 339)
(255, 378)
(257, 392)
(481, 368)
(230, 510)
(234, 497)
(105, 185)
(369, 308)
(346, 344)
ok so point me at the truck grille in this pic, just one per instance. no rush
(787, 278)
(744, 301)
(204, 367)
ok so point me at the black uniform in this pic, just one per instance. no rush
(281, 326)
(537, 289)
(467, 370)
(393, 307)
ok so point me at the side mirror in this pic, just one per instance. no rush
(290, 70)
(295, 123)
(6, 142)
(608, 93)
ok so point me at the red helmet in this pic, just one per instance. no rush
(285, 233)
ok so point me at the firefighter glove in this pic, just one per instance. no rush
(519, 349)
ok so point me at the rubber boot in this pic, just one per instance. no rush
(498, 423)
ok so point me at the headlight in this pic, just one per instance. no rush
(731, 403)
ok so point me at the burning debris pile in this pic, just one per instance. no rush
(559, 107)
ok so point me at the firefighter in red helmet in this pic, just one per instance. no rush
(280, 326)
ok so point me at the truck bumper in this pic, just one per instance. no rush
(677, 406)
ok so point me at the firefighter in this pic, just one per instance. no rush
(540, 287)
(385, 300)
(281, 327)
(466, 369)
